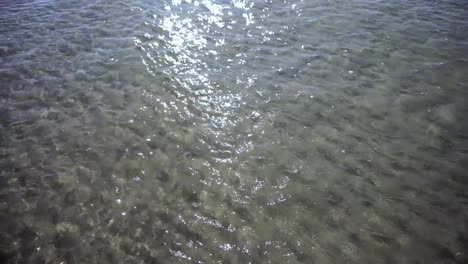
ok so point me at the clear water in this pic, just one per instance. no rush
(251, 131)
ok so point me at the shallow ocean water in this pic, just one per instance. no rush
(204, 131)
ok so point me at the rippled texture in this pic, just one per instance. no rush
(233, 131)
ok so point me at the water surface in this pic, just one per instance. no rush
(251, 131)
